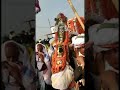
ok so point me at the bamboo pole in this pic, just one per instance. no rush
(76, 14)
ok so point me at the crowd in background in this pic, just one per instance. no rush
(27, 64)
(101, 55)
(24, 37)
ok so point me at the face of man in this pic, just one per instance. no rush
(40, 52)
(39, 48)
(11, 52)
(81, 50)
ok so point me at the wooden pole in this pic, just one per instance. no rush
(76, 14)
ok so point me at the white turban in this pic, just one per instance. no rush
(101, 34)
(78, 41)
(62, 80)
(53, 30)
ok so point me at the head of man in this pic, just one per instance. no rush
(11, 52)
(39, 48)
(40, 52)
(78, 42)
(79, 50)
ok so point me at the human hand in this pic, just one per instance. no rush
(41, 56)
(82, 81)
(15, 71)
(77, 86)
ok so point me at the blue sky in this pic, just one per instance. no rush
(50, 9)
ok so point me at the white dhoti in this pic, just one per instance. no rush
(62, 79)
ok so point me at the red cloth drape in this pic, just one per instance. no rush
(78, 28)
(107, 7)
(90, 6)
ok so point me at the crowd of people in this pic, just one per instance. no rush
(62, 65)
(84, 61)
(100, 58)
(17, 53)
(24, 37)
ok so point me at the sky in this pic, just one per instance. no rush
(50, 9)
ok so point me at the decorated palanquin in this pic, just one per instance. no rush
(60, 55)
(74, 25)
